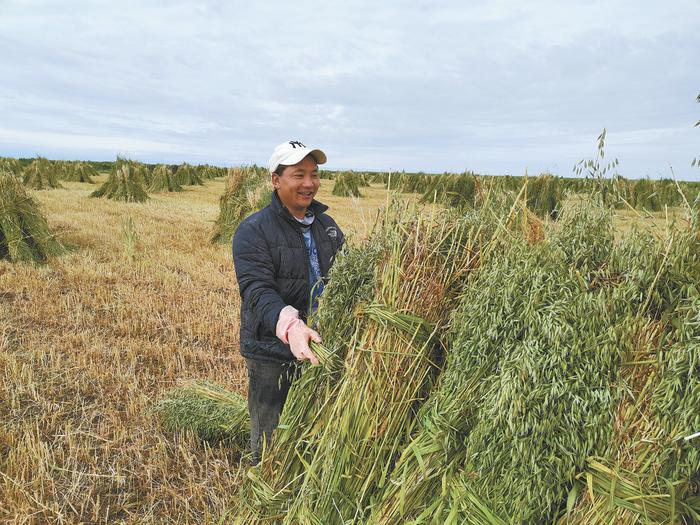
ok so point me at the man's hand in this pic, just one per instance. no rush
(293, 331)
(299, 336)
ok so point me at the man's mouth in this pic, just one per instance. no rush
(307, 194)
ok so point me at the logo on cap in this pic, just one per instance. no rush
(295, 143)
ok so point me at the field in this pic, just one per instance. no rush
(90, 341)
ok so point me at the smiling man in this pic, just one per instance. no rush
(282, 255)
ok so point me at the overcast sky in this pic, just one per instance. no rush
(496, 86)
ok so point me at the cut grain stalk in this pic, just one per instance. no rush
(477, 437)
(211, 412)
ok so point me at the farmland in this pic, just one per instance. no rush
(91, 340)
(142, 300)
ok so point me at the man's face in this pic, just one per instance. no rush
(297, 185)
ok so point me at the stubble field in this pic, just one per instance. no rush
(91, 340)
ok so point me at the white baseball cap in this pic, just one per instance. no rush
(289, 153)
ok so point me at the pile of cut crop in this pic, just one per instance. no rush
(11, 165)
(162, 179)
(473, 373)
(454, 190)
(78, 172)
(126, 182)
(24, 233)
(41, 174)
(347, 184)
(383, 317)
(246, 191)
(188, 175)
(414, 182)
(208, 410)
(566, 355)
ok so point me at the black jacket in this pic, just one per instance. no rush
(272, 269)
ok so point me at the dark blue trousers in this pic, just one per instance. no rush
(268, 386)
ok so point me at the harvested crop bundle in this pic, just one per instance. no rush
(125, 183)
(211, 172)
(11, 165)
(544, 195)
(246, 192)
(347, 184)
(376, 177)
(61, 168)
(353, 282)
(211, 412)
(394, 180)
(41, 175)
(531, 392)
(162, 179)
(187, 175)
(650, 470)
(345, 423)
(218, 172)
(492, 415)
(455, 190)
(24, 233)
(645, 196)
(79, 172)
(563, 385)
(414, 182)
(203, 171)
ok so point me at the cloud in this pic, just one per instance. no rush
(496, 86)
(90, 143)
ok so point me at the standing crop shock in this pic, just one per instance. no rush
(345, 451)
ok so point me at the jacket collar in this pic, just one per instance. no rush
(316, 207)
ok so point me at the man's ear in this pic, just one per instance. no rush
(275, 180)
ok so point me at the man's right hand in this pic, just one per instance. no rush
(299, 336)
(293, 331)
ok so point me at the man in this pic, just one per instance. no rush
(281, 255)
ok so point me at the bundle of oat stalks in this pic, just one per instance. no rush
(247, 191)
(24, 232)
(126, 182)
(208, 410)
(475, 372)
